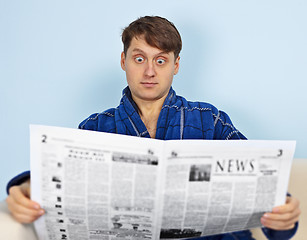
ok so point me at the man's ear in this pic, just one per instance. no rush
(123, 61)
(176, 65)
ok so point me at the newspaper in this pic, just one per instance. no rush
(96, 185)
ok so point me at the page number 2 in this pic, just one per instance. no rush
(44, 138)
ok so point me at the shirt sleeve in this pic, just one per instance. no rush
(280, 234)
(19, 179)
(224, 129)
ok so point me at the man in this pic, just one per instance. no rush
(150, 108)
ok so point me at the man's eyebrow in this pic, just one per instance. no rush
(138, 50)
(141, 51)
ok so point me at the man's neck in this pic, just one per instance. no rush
(149, 112)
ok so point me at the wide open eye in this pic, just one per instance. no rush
(139, 59)
(160, 61)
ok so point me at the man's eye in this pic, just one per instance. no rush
(160, 61)
(139, 59)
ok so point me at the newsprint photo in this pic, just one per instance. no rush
(96, 185)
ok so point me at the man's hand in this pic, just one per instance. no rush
(22, 208)
(283, 217)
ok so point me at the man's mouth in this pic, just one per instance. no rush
(149, 84)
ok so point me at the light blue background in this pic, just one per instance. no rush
(59, 62)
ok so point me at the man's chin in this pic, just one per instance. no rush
(149, 97)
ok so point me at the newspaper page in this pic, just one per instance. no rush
(94, 185)
(213, 187)
(97, 185)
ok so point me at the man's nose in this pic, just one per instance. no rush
(150, 69)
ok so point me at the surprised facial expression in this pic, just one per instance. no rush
(149, 70)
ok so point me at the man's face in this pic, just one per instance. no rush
(149, 71)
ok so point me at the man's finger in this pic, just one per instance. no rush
(290, 205)
(25, 218)
(20, 198)
(283, 216)
(32, 214)
(23, 214)
(279, 225)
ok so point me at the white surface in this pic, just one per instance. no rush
(12, 230)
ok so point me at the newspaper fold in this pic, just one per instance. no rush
(96, 185)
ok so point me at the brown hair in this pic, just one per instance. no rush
(157, 31)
